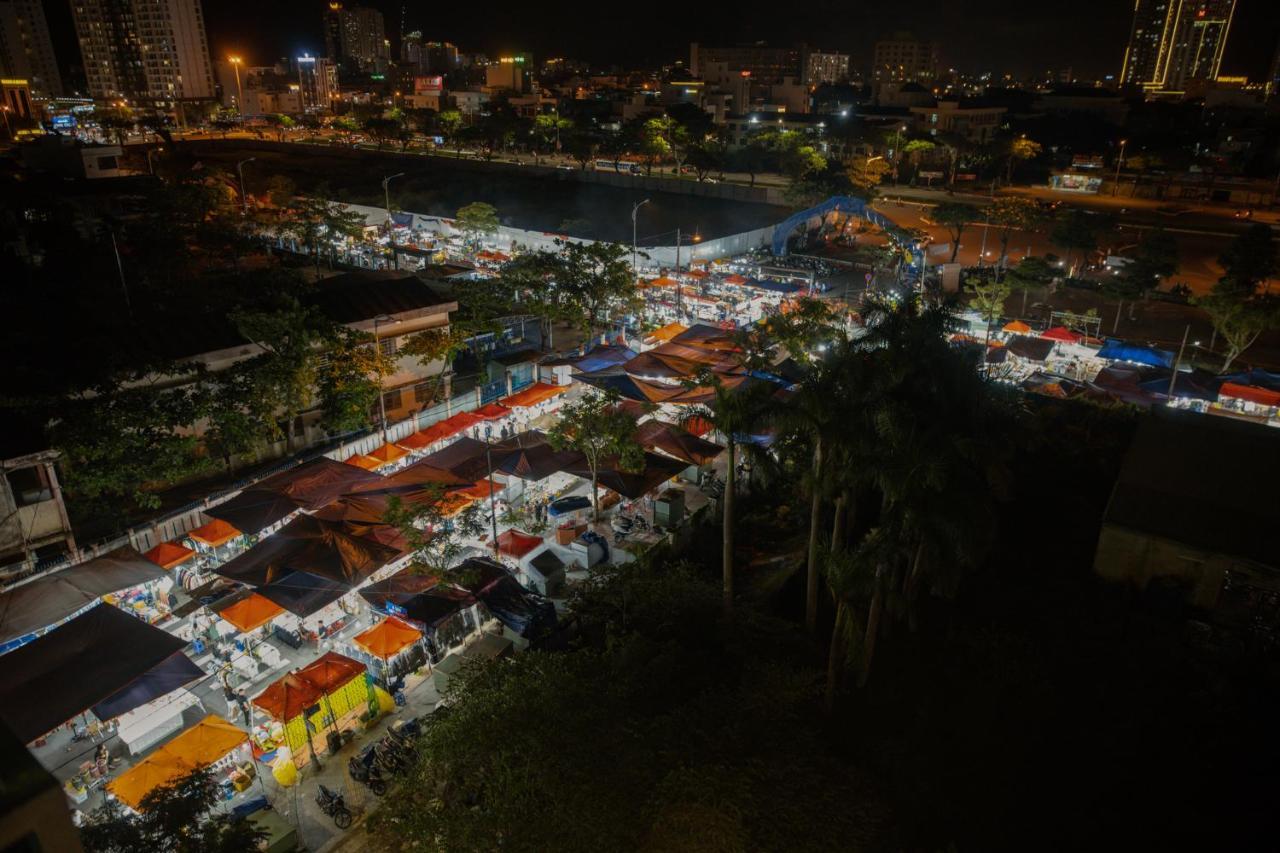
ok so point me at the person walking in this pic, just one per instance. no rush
(243, 702)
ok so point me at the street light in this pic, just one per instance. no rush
(377, 346)
(244, 196)
(391, 226)
(1115, 186)
(635, 209)
(8, 128)
(235, 65)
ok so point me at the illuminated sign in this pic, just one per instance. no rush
(433, 85)
(11, 81)
(64, 122)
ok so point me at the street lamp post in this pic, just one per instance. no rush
(1115, 186)
(235, 65)
(391, 226)
(8, 128)
(151, 166)
(635, 209)
(244, 196)
(377, 346)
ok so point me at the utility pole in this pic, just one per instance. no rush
(235, 64)
(493, 512)
(391, 226)
(244, 196)
(679, 288)
(1115, 185)
(377, 349)
(635, 209)
(1178, 363)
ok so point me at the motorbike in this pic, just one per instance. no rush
(333, 805)
(622, 527)
(364, 769)
(390, 756)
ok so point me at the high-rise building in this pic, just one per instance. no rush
(412, 51)
(317, 81)
(905, 58)
(510, 73)
(1273, 74)
(151, 51)
(761, 63)
(356, 36)
(1173, 42)
(26, 50)
(441, 57)
(825, 67)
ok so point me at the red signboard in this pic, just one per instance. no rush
(428, 85)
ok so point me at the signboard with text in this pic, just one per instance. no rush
(432, 85)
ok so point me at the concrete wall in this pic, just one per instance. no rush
(1136, 558)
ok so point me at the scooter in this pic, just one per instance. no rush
(622, 527)
(333, 805)
(365, 770)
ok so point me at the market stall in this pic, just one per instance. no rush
(213, 742)
(216, 540)
(330, 695)
(256, 511)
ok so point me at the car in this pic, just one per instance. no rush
(1243, 214)
(1172, 210)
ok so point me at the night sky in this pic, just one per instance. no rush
(1021, 36)
(977, 35)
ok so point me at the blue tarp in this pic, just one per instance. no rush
(1256, 378)
(602, 358)
(774, 286)
(524, 612)
(1196, 385)
(176, 671)
(1118, 350)
(404, 220)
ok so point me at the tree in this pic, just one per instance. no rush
(1156, 257)
(290, 335)
(582, 145)
(655, 141)
(318, 224)
(349, 380)
(383, 130)
(594, 426)
(1010, 214)
(477, 221)
(734, 413)
(594, 280)
(866, 173)
(988, 298)
(1078, 230)
(1019, 149)
(432, 526)
(751, 157)
(120, 442)
(954, 216)
(1030, 273)
(1250, 259)
(239, 410)
(546, 132)
(450, 122)
(175, 818)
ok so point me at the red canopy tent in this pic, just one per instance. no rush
(513, 543)
(1062, 334)
(537, 393)
(169, 554)
(1252, 393)
(492, 412)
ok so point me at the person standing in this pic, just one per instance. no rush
(243, 702)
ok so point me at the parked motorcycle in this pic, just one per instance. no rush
(364, 769)
(333, 805)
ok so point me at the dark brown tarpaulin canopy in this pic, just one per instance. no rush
(307, 544)
(677, 442)
(77, 665)
(254, 509)
(657, 470)
(313, 484)
(55, 596)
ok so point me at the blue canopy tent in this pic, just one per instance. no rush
(851, 205)
(1117, 350)
(1257, 378)
(103, 656)
(1195, 385)
(176, 671)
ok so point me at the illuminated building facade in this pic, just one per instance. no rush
(1175, 42)
(25, 48)
(151, 51)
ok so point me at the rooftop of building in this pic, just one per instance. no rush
(1206, 482)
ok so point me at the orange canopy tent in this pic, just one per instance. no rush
(668, 332)
(662, 281)
(1017, 327)
(252, 611)
(388, 453)
(480, 490)
(735, 279)
(697, 273)
(287, 697)
(388, 638)
(368, 463)
(214, 533)
(330, 671)
(533, 395)
(169, 554)
(492, 412)
(201, 745)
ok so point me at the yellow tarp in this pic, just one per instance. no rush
(202, 744)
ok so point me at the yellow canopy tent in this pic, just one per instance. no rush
(202, 744)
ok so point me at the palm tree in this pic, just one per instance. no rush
(734, 413)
